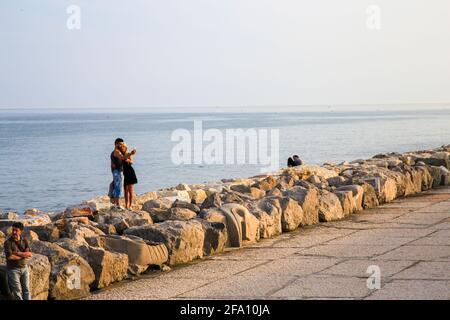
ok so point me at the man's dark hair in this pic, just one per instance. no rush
(296, 157)
(118, 140)
(18, 225)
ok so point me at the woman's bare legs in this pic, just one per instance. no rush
(130, 195)
(125, 189)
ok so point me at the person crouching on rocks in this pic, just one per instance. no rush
(294, 161)
(297, 161)
(129, 175)
(17, 251)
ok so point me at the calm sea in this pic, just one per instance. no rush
(52, 160)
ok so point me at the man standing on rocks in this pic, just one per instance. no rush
(17, 251)
(117, 159)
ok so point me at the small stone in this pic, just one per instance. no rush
(183, 187)
(165, 268)
(9, 216)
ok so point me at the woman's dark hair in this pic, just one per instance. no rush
(290, 162)
(18, 225)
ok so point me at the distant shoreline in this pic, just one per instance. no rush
(238, 109)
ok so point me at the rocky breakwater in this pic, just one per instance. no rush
(92, 245)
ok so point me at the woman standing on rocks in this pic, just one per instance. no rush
(129, 175)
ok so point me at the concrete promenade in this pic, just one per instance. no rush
(408, 240)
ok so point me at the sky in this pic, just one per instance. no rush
(200, 53)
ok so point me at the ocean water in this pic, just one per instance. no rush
(50, 160)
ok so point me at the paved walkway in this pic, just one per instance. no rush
(408, 240)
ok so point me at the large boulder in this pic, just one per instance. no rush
(197, 196)
(39, 267)
(408, 181)
(388, 189)
(437, 159)
(49, 232)
(186, 205)
(107, 228)
(347, 202)
(141, 254)
(291, 212)
(309, 201)
(215, 237)
(9, 216)
(122, 219)
(108, 267)
(266, 184)
(357, 193)
(330, 208)
(173, 195)
(29, 235)
(175, 213)
(445, 176)
(162, 203)
(157, 215)
(314, 179)
(78, 211)
(337, 181)
(31, 217)
(407, 160)
(212, 201)
(286, 181)
(78, 231)
(183, 187)
(70, 277)
(426, 177)
(370, 199)
(231, 221)
(35, 217)
(436, 174)
(213, 187)
(268, 212)
(392, 187)
(183, 239)
(235, 197)
(275, 192)
(4, 289)
(416, 179)
(248, 230)
(306, 170)
(257, 193)
(143, 198)
(215, 215)
(384, 181)
(441, 176)
(241, 188)
(97, 203)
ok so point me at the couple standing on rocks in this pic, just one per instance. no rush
(121, 163)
